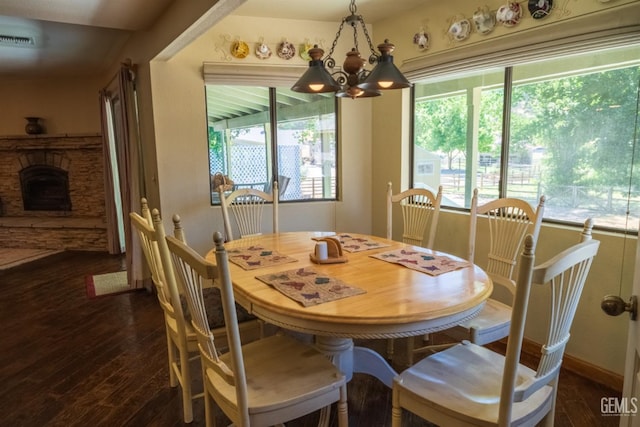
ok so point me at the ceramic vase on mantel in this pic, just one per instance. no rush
(33, 126)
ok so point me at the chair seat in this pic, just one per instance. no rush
(491, 324)
(281, 372)
(464, 382)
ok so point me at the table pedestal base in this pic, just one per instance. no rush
(350, 359)
(367, 361)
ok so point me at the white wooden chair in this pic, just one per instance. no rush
(266, 382)
(469, 384)
(420, 211)
(251, 328)
(247, 205)
(181, 338)
(508, 220)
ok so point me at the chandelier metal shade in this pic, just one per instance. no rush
(353, 80)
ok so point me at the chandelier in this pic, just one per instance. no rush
(353, 80)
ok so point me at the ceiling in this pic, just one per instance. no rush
(84, 37)
(70, 37)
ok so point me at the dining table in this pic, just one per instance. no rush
(377, 295)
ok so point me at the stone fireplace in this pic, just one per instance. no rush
(52, 192)
(45, 188)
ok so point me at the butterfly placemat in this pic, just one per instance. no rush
(309, 287)
(257, 256)
(356, 244)
(431, 264)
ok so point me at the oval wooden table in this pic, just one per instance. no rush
(399, 301)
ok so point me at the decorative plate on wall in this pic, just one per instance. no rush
(421, 39)
(286, 50)
(484, 20)
(460, 30)
(304, 51)
(263, 51)
(540, 8)
(509, 14)
(239, 49)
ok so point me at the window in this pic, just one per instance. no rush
(254, 131)
(570, 133)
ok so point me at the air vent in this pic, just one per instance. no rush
(8, 40)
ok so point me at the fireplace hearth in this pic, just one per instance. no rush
(52, 192)
(45, 188)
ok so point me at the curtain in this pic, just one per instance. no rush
(124, 183)
(114, 245)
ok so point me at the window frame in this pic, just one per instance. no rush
(271, 142)
(624, 37)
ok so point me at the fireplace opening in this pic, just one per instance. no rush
(45, 188)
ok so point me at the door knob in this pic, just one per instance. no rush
(613, 305)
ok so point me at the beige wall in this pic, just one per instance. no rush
(175, 27)
(67, 105)
(566, 18)
(181, 135)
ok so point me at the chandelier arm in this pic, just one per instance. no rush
(340, 77)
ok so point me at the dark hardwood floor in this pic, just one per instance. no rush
(67, 360)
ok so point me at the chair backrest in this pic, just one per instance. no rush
(178, 231)
(146, 235)
(509, 220)
(145, 211)
(586, 230)
(193, 271)
(565, 274)
(152, 240)
(420, 209)
(247, 205)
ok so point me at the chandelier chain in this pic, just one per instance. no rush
(335, 41)
(373, 58)
(355, 37)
